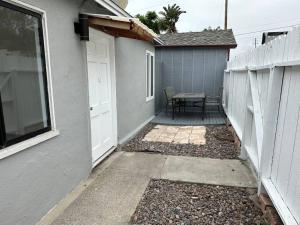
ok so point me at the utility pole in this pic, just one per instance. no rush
(226, 14)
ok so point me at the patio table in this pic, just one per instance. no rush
(193, 97)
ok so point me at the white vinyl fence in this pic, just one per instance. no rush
(262, 101)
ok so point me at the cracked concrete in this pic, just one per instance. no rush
(115, 188)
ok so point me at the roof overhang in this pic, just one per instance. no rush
(113, 7)
(196, 46)
(121, 27)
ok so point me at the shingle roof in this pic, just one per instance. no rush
(207, 38)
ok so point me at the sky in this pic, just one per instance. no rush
(248, 18)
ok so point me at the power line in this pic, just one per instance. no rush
(277, 21)
(266, 30)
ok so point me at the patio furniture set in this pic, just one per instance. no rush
(177, 101)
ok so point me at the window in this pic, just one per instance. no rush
(24, 104)
(150, 74)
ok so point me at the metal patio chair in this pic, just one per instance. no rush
(215, 101)
(169, 93)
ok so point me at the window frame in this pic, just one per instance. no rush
(44, 134)
(150, 97)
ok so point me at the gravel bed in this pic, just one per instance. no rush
(166, 202)
(219, 144)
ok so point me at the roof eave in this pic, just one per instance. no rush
(159, 41)
(121, 26)
(114, 8)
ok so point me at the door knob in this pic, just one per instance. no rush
(91, 108)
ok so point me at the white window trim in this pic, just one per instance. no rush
(13, 149)
(149, 79)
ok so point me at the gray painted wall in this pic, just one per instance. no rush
(189, 70)
(34, 180)
(132, 107)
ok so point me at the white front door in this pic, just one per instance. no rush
(100, 62)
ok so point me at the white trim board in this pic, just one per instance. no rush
(11, 150)
(113, 7)
(281, 207)
(148, 72)
(135, 131)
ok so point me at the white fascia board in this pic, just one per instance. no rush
(113, 7)
(158, 40)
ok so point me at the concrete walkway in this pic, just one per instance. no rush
(115, 188)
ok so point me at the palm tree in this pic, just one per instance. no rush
(152, 21)
(171, 16)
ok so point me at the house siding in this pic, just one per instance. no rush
(189, 69)
(34, 180)
(133, 110)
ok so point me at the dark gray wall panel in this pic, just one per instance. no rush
(209, 75)
(199, 71)
(176, 75)
(189, 70)
(158, 80)
(167, 68)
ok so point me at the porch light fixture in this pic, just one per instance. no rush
(82, 27)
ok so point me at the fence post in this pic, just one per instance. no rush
(243, 154)
(257, 113)
(270, 124)
(230, 86)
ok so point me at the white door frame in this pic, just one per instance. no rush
(113, 98)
